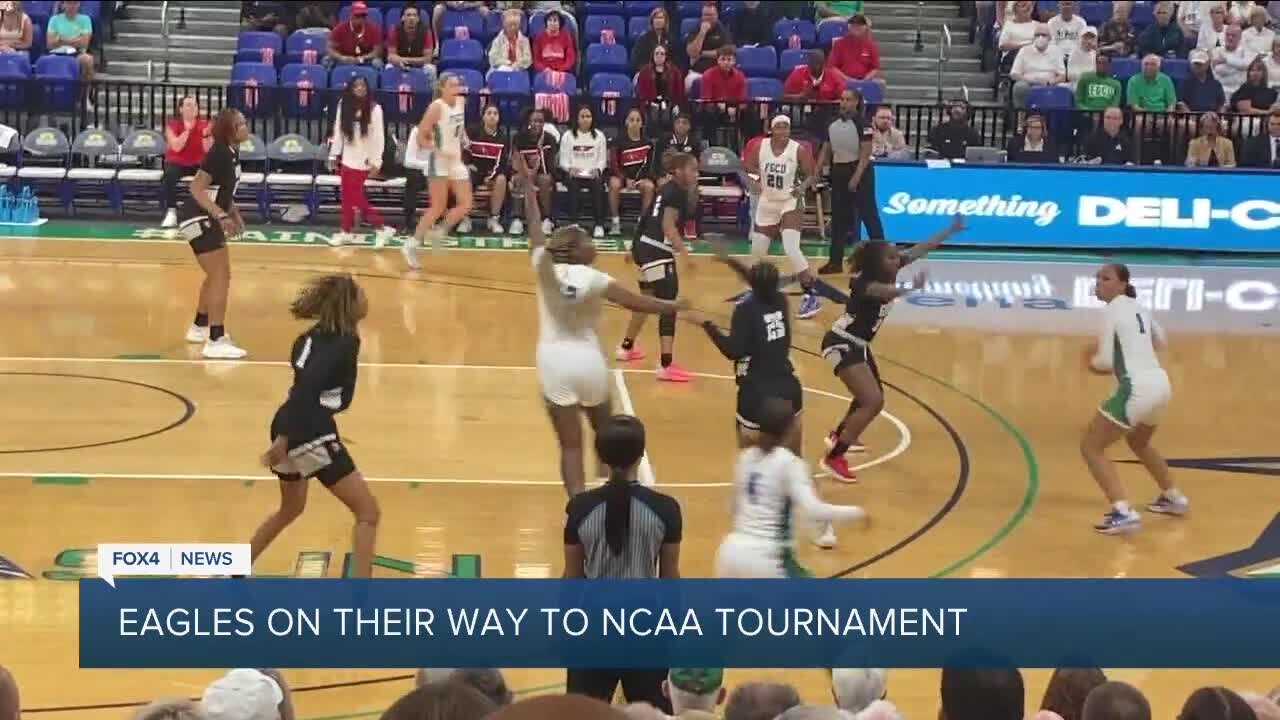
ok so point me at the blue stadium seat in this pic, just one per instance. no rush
(688, 25)
(391, 18)
(15, 69)
(472, 85)
(541, 84)
(471, 19)
(761, 88)
(1141, 15)
(512, 93)
(88, 176)
(1050, 97)
(605, 82)
(375, 15)
(92, 9)
(790, 59)
(597, 23)
(1124, 68)
(39, 10)
(342, 74)
(829, 32)
(301, 41)
(1047, 8)
(604, 8)
(1178, 68)
(784, 29)
(253, 87)
(37, 42)
(404, 94)
(304, 89)
(1095, 12)
(251, 46)
(14, 65)
(872, 91)
(689, 8)
(758, 61)
(59, 77)
(462, 54)
(642, 8)
(637, 26)
(606, 59)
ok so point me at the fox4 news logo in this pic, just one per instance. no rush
(133, 559)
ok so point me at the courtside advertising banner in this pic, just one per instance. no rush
(1083, 206)
(181, 623)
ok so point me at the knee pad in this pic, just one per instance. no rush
(759, 245)
(667, 288)
(666, 326)
(791, 246)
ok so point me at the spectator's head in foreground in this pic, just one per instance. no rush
(559, 707)
(1112, 120)
(982, 694)
(879, 710)
(694, 689)
(1264, 707)
(726, 58)
(1216, 703)
(176, 709)
(853, 689)
(489, 681)
(1210, 125)
(1116, 701)
(447, 700)
(812, 712)
(243, 694)
(1069, 687)
(10, 706)
(760, 701)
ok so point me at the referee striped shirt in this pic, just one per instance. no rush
(655, 521)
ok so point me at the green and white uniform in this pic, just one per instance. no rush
(1127, 346)
(446, 159)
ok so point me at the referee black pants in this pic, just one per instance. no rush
(638, 686)
(849, 209)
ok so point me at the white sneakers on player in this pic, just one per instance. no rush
(383, 235)
(547, 226)
(223, 349)
(197, 334)
(615, 226)
(495, 226)
(464, 227)
(516, 227)
(825, 537)
(598, 232)
(339, 239)
(170, 219)
(409, 249)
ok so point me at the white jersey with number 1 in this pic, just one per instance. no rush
(1127, 347)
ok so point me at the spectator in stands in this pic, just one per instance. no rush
(534, 160)
(584, 155)
(487, 155)
(439, 701)
(854, 689)
(660, 82)
(1231, 61)
(950, 139)
(856, 56)
(694, 690)
(752, 25)
(69, 34)
(437, 13)
(15, 30)
(1083, 59)
(1257, 37)
(554, 48)
(356, 41)
(881, 710)
(1068, 687)
(1263, 707)
(355, 150)
(243, 694)
(836, 10)
(489, 681)
(187, 139)
(1215, 703)
(1200, 91)
(560, 707)
(635, 166)
(1108, 145)
(704, 43)
(1032, 145)
(1116, 39)
(10, 703)
(315, 15)
(1038, 64)
(813, 712)
(981, 694)
(1191, 17)
(1211, 149)
(1117, 701)
(1066, 28)
(265, 16)
(1163, 37)
(812, 81)
(1098, 90)
(412, 44)
(887, 141)
(1021, 30)
(659, 34)
(760, 701)
(1211, 33)
(681, 140)
(1272, 62)
(1151, 91)
(725, 83)
(510, 50)
(1253, 99)
(1263, 151)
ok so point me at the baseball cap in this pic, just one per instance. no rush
(243, 694)
(1199, 56)
(780, 119)
(699, 681)
(1090, 30)
(359, 7)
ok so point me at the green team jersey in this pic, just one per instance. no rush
(1097, 93)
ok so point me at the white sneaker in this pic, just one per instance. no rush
(197, 334)
(615, 227)
(826, 538)
(464, 227)
(495, 227)
(223, 349)
(547, 226)
(410, 252)
(339, 239)
(170, 219)
(438, 236)
(598, 232)
(516, 228)
(385, 233)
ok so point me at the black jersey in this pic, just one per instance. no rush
(759, 342)
(222, 165)
(635, 158)
(672, 196)
(863, 313)
(689, 145)
(539, 154)
(488, 152)
(324, 383)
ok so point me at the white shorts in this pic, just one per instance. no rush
(1141, 400)
(572, 374)
(740, 556)
(448, 168)
(769, 211)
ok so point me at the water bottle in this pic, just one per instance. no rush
(6, 204)
(27, 206)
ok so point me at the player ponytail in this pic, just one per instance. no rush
(776, 418)
(333, 301)
(764, 281)
(620, 445)
(1122, 274)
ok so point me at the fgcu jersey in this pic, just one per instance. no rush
(763, 491)
(449, 131)
(778, 172)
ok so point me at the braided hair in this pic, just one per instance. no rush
(333, 301)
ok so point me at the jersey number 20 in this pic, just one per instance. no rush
(774, 181)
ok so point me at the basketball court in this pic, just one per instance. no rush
(117, 431)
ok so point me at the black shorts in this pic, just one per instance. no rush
(753, 394)
(842, 352)
(321, 456)
(203, 233)
(655, 264)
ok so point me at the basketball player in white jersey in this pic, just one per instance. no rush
(1127, 347)
(440, 133)
(572, 368)
(772, 174)
(770, 481)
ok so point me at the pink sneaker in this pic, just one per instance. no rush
(839, 469)
(674, 373)
(832, 438)
(624, 355)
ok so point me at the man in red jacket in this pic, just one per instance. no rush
(856, 56)
(813, 81)
(725, 82)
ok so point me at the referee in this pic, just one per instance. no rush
(622, 530)
(853, 179)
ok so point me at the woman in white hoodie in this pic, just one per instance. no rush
(356, 149)
(584, 152)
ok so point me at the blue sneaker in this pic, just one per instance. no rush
(1166, 505)
(1116, 522)
(809, 306)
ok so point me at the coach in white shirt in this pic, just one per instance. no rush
(1040, 63)
(1083, 59)
(1231, 61)
(1257, 37)
(1212, 29)
(1066, 28)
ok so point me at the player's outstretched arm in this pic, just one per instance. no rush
(635, 302)
(885, 291)
(919, 250)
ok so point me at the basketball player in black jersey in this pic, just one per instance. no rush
(636, 154)
(847, 345)
(654, 250)
(205, 220)
(304, 437)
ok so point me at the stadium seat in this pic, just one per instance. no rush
(1095, 12)
(689, 8)
(342, 75)
(38, 47)
(641, 8)
(689, 25)
(92, 9)
(599, 23)
(473, 87)
(758, 61)
(872, 91)
(512, 94)
(391, 18)
(291, 171)
(784, 29)
(375, 15)
(603, 83)
(462, 54)
(606, 59)
(541, 84)
(470, 19)
(764, 88)
(251, 190)
(1141, 15)
(86, 177)
(1178, 68)
(140, 182)
(790, 59)
(263, 47)
(1050, 97)
(303, 88)
(253, 88)
(302, 42)
(45, 154)
(1123, 68)
(637, 26)
(724, 167)
(604, 8)
(59, 82)
(15, 70)
(829, 32)
(39, 10)
(404, 95)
